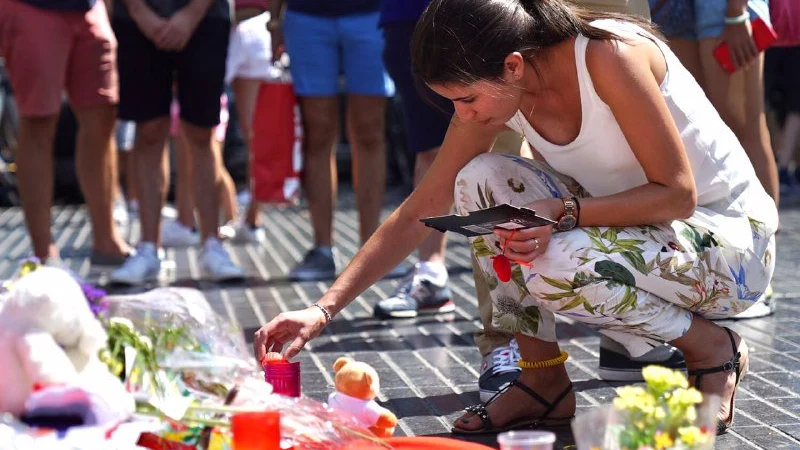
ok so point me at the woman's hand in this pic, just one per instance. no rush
(526, 244)
(297, 327)
(739, 38)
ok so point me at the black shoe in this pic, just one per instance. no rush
(617, 365)
(416, 295)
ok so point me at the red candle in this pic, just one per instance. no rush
(256, 430)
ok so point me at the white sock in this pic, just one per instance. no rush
(434, 272)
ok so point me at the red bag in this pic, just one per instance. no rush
(276, 157)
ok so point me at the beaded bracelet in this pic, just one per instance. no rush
(543, 364)
(328, 317)
(742, 18)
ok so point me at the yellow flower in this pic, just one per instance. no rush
(692, 436)
(684, 397)
(660, 379)
(663, 440)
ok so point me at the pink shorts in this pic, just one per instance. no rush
(49, 51)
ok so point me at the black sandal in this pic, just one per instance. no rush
(480, 411)
(734, 364)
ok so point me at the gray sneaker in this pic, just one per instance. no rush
(318, 264)
(416, 295)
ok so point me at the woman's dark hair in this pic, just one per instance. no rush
(464, 41)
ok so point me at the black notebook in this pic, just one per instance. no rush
(478, 223)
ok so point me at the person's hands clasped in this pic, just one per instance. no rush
(739, 37)
(293, 327)
(150, 24)
(178, 30)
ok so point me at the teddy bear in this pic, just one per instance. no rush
(357, 385)
(50, 338)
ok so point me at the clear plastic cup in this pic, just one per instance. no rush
(526, 440)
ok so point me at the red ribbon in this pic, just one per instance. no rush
(502, 264)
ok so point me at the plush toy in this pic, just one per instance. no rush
(356, 386)
(50, 338)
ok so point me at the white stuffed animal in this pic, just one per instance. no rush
(49, 336)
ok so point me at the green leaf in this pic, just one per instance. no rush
(636, 260)
(610, 234)
(630, 242)
(577, 300)
(563, 285)
(492, 282)
(533, 312)
(481, 248)
(557, 296)
(615, 271)
(598, 244)
(489, 195)
(519, 279)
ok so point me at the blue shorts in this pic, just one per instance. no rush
(323, 48)
(426, 114)
(698, 19)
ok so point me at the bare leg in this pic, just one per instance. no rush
(227, 188)
(35, 180)
(96, 166)
(688, 52)
(365, 130)
(184, 190)
(707, 345)
(206, 178)
(246, 94)
(151, 184)
(548, 382)
(739, 99)
(433, 247)
(321, 118)
(790, 137)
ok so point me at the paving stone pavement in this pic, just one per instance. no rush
(429, 366)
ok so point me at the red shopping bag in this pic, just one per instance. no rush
(276, 157)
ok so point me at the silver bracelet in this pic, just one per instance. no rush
(742, 18)
(328, 317)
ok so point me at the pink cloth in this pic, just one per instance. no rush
(48, 51)
(785, 16)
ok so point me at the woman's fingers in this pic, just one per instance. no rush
(526, 246)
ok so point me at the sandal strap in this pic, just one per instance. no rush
(731, 365)
(550, 405)
(480, 411)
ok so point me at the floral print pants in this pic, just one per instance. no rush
(638, 285)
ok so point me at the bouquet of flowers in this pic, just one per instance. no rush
(665, 414)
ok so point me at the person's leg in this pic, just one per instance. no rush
(35, 180)
(246, 94)
(152, 185)
(738, 97)
(320, 182)
(688, 52)
(365, 131)
(96, 167)
(226, 188)
(184, 183)
(37, 73)
(205, 177)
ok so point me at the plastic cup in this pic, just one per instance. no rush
(256, 430)
(284, 377)
(526, 440)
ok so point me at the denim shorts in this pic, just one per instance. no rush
(323, 48)
(698, 19)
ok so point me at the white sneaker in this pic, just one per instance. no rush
(216, 264)
(176, 234)
(140, 268)
(242, 233)
(120, 212)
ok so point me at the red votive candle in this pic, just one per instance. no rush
(284, 376)
(256, 430)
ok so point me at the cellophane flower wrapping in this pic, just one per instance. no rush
(664, 414)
